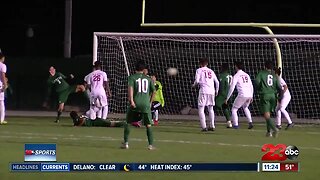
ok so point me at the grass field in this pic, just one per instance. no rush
(175, 142)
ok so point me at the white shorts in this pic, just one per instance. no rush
(206, 99)
(284, 102)
(1, 96)
(99, 100)
(241, 102)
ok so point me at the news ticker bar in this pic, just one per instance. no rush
(140, 167)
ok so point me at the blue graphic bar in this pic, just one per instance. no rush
(135, 167)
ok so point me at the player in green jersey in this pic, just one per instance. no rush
(268, 87)
(141, 91)
(225, 79)
(85, 121)
(57, 81)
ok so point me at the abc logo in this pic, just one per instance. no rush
(292, 152)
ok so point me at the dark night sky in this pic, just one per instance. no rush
(47, 19)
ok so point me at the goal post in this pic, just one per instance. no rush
(300, 54)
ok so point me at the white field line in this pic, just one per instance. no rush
(72, 137)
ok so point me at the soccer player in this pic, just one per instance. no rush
(268, 85)
(225, 79)
(209, 87)
(245, 94)
(141, 91)
(283, 103)
(57, 81)
(86, 121)
(97, 81)
(3, 87)
(158, 100)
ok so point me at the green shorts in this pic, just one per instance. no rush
(268, 103)
(220, 101)
(134, 116)
(63, 95)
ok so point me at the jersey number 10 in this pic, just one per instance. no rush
(142, 85)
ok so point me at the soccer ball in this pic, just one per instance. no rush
(172, 71)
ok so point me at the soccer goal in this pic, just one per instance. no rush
(300, 56)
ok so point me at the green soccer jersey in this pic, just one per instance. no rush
(143, 87)
(224, 83)
(58, 82)
(267, 82)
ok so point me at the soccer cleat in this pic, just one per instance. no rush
(235, 127)
(204, 130)
(229, 124)
(289, 126)
(124, 146)
(250, 125)
(155, 123)
(275, 133)
(269, 134)
(211, 129)
(4, 122)
(279, 127)
(150, 147)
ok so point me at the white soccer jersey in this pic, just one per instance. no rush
(244, 85)
(96, 79)
(207, 81)
(3, 69)
(283, 83)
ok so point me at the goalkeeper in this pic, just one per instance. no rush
(85, 121)
(158, 101)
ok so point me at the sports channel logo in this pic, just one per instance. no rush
(280, 152)
(40, 152)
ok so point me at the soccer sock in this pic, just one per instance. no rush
(286, 115)
(268, 126)
(248, 114)
(271, 125)
(235, 116)
(105, 112)
(202, 117)
(211, 116)
(99, 113)
(226, 113)
(58, 115)
(156, 115)
(278, 118)
(2, 110)
(150, 135)
(126, 132)
(91, 114)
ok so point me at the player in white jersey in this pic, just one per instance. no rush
(209, 87)
(3, 87)
(283, 103)
(245, 94)
(98, 83)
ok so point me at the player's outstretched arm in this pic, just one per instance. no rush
(232, 86)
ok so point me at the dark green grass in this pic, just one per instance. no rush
(175, 142)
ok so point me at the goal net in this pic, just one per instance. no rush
(300, 54)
